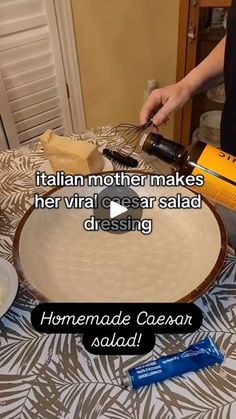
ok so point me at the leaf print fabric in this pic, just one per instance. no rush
(53, 377)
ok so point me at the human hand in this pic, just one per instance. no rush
(162, 102)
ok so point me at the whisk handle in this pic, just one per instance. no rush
(126, 160)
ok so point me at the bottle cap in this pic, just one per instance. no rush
(125, 379)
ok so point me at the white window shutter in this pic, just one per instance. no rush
(33, 91)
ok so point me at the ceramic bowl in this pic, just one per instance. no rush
(59, 261)
(8, 286)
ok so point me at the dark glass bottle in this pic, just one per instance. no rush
(217, 167)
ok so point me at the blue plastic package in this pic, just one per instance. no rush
(199, 355)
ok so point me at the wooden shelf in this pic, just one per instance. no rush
(214, 3)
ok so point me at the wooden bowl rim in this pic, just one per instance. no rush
(190, 297)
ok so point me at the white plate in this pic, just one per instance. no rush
(8, 285)
(60, 261)
(46, 166)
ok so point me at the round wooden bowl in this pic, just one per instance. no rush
(59, 261)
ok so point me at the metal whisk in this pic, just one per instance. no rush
(130, 134)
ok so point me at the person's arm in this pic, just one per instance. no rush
(162, 102)
(209, 72)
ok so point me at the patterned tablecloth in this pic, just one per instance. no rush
(53, 377)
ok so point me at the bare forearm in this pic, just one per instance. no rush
(162, 102)
(209, 72)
